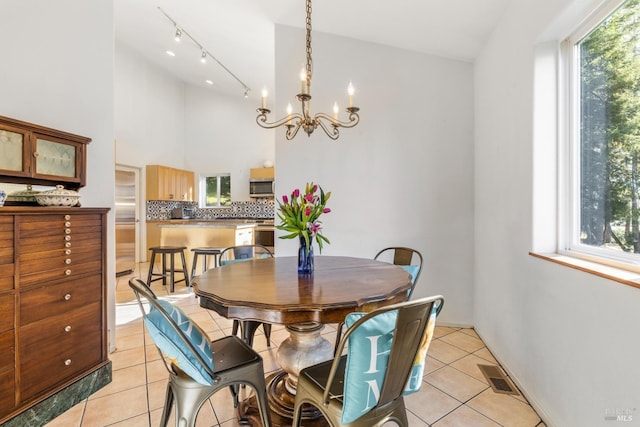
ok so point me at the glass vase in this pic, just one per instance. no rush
(305, 257)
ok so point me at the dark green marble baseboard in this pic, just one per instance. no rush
(43, 412)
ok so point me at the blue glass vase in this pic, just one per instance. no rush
(305, 257)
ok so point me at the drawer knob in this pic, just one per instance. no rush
(67, 238)
(67, 272)
(67, 362)
(67, 328)
(67, 231)
(67, 224)
(67, 217)
(67, 251)
(67, 297)
(67, 244)
(67, 261)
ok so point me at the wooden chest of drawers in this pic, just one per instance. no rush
(53, 301)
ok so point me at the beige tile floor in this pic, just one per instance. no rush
(454, 392)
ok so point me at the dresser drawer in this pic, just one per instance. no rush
(7, 272)
(57, 260)
(68, 272)
(7, 351)
(7, 310)
(59, 348)
(7, 371)
(7, 391)
(60, 241)
(7, 254)
(43, 302)
(47, 225)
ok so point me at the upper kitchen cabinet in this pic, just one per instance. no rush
(34, 154)
(262, 173)
(170, 184)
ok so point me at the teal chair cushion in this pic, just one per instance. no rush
(174, 348)
(412, 270)
(367, 358)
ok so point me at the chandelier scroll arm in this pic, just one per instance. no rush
(261, 119)
(354, 119)
(333, 133)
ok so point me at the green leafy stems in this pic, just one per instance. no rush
(299, 214)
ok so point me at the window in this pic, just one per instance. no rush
(604, 85)
(215, 190)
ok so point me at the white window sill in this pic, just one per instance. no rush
(619, 275)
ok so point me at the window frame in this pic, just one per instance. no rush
(202, 187)
(569, 111)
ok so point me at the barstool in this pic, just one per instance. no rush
(171, 251)
(205, 252)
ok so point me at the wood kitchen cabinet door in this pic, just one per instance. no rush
(169, 184)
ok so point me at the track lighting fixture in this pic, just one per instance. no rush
(204, 53)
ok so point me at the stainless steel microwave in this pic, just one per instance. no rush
(261, 187)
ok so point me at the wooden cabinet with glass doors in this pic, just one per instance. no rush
(34, 154)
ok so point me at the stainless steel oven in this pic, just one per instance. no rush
(264, 235)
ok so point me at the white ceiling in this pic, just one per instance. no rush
(239, 33)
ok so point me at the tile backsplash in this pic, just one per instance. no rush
(259, 209)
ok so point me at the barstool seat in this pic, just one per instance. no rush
(205, 252)
(168, 272)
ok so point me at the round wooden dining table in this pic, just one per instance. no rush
(270, 290)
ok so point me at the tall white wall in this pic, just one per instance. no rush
(404, 175)
(149, 112)
(568, 338)
(57, 71)
(221, 136)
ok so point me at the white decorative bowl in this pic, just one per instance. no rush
(58, 197)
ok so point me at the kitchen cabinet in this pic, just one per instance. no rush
(53, 332)
(34, 154)
(262, 173)
(169, 184)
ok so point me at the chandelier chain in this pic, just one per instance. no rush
(309, 60)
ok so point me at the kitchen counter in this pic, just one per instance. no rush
(204, 223)
(194, 233)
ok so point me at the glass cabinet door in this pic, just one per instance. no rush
(54, 158)
(13, 149)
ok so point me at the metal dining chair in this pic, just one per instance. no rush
(409, 259)
(198, 368)
(387, 351)
(242, 253)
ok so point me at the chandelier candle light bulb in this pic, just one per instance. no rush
(303, 82)
(351, 91)
(265, 92)
(289, 111)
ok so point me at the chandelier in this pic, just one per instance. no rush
(304, 120)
